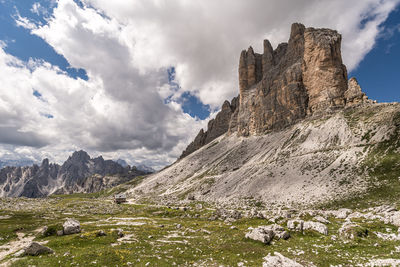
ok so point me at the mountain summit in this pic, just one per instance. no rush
(299, 132)
(300, 78)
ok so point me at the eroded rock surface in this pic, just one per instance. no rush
(71, 226)
(300, 78)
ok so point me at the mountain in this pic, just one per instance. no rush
(122, 162)
(79, 173)
(144, 168)
(140, 167)
(16, 163)
(299, 132)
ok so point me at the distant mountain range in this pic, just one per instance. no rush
(16, 162)
(79, 173)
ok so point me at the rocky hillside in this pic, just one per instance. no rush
(302, 78)
(79, 173)
(298, 133)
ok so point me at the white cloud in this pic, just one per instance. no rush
(126, 48)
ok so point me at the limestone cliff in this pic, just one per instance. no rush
(304, 77)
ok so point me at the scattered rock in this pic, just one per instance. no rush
(282, 235)
(261, 234)
(35, 249)
(352, 231)
(60, 232)
(120, 233)
(71, 226)
(278, 260)
(394, 218)
(206, 231)
(101, 233)
(384, 262)
(321, 219)
(296, 225)
(44, 230)
(341, 213)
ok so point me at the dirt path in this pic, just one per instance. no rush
(16, 245)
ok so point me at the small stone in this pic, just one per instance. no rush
(101, 233)
(120, 233)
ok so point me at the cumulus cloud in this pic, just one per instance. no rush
(126, 48)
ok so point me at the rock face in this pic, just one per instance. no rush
(354, 95)
(304, 77)
(216, 127)
(301, 164)
(79, 173)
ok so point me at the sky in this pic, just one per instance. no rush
(137, 79)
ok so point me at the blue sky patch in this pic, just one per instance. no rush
(46, 115)
(191, 104)
(22, 44)
(378, 73)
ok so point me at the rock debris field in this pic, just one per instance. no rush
(78, 230)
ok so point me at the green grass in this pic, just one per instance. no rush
(212, 243)
(382, 166)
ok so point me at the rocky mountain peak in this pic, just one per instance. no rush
(81, 156)
(79, 173)
(300, 78)
(45, 163)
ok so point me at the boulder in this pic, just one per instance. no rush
(296, 225)
(351, 230)
(278, 260)
(316, 226)
(266, 233)
(261, 234)
(71, 226)
(340, 214)
(394, 218)
(279, 231)
(35, 249)
(321, 220)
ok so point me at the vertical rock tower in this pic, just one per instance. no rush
(300, 78)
